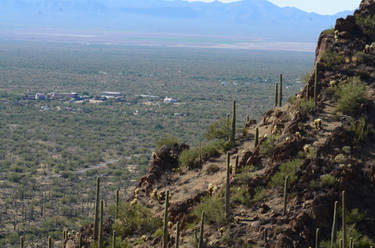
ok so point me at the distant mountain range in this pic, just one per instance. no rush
(257, 19)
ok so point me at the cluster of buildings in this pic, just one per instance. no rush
(73, 96)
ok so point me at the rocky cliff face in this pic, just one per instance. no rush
(324, 149)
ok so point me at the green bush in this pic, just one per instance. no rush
(213, 208)
(350, 96)
(266, 146)
(329, 31)
(220, 129)
(286, 169)
(189, 158)
(367, 25)
(331, 58)
(210, 150)
(327, 180)
(240, 195)
(305, 106)
(167, 141)
(135, 220)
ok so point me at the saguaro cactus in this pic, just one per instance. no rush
(101, 236)
(117, 202)
(333, 233)
(233, 136)
(285, 194)
(343, 221)
(281, 90)
(201, 242)
(256, 137)
(235, 168)
(21, 242)
(114, 239)
(227, 188)
(165, 227)
(97, 209)
(178, 235)
(49, 242)
(316, 85)
(276, 94)
(200, 155)
(317, 238)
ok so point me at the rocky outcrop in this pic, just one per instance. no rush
(164, 160)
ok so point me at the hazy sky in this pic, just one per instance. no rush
(318, 6)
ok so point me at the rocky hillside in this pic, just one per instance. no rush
(283, 188)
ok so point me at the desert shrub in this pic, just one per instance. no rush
(213, 208)
(167, 141)
(210, 150)
(212, 169)
(286, 169)
(358, 131)
(350, 96)
(224, 145)
(220, 129)
(245, 174)
(312, 153)
(242, 196)
(331, 58)
(266, 146)
(305, 106)
(367, 25)
(327, 180)
(189, 158)
(135, 219)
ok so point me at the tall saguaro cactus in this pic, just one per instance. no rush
(165, 227)
(256, 137)
(201, 242)
(49, 242)
(317, 238)
(101, 236)
(316, 85)
(285, 194)
(281, 90)
(333, 232)
(178, 235)
(227, 188)
(113, 239)
(233, 136)
(96, 223)
(343, 221)
(276, 94)
(22, 242)
(117, 202)
(200, 155)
